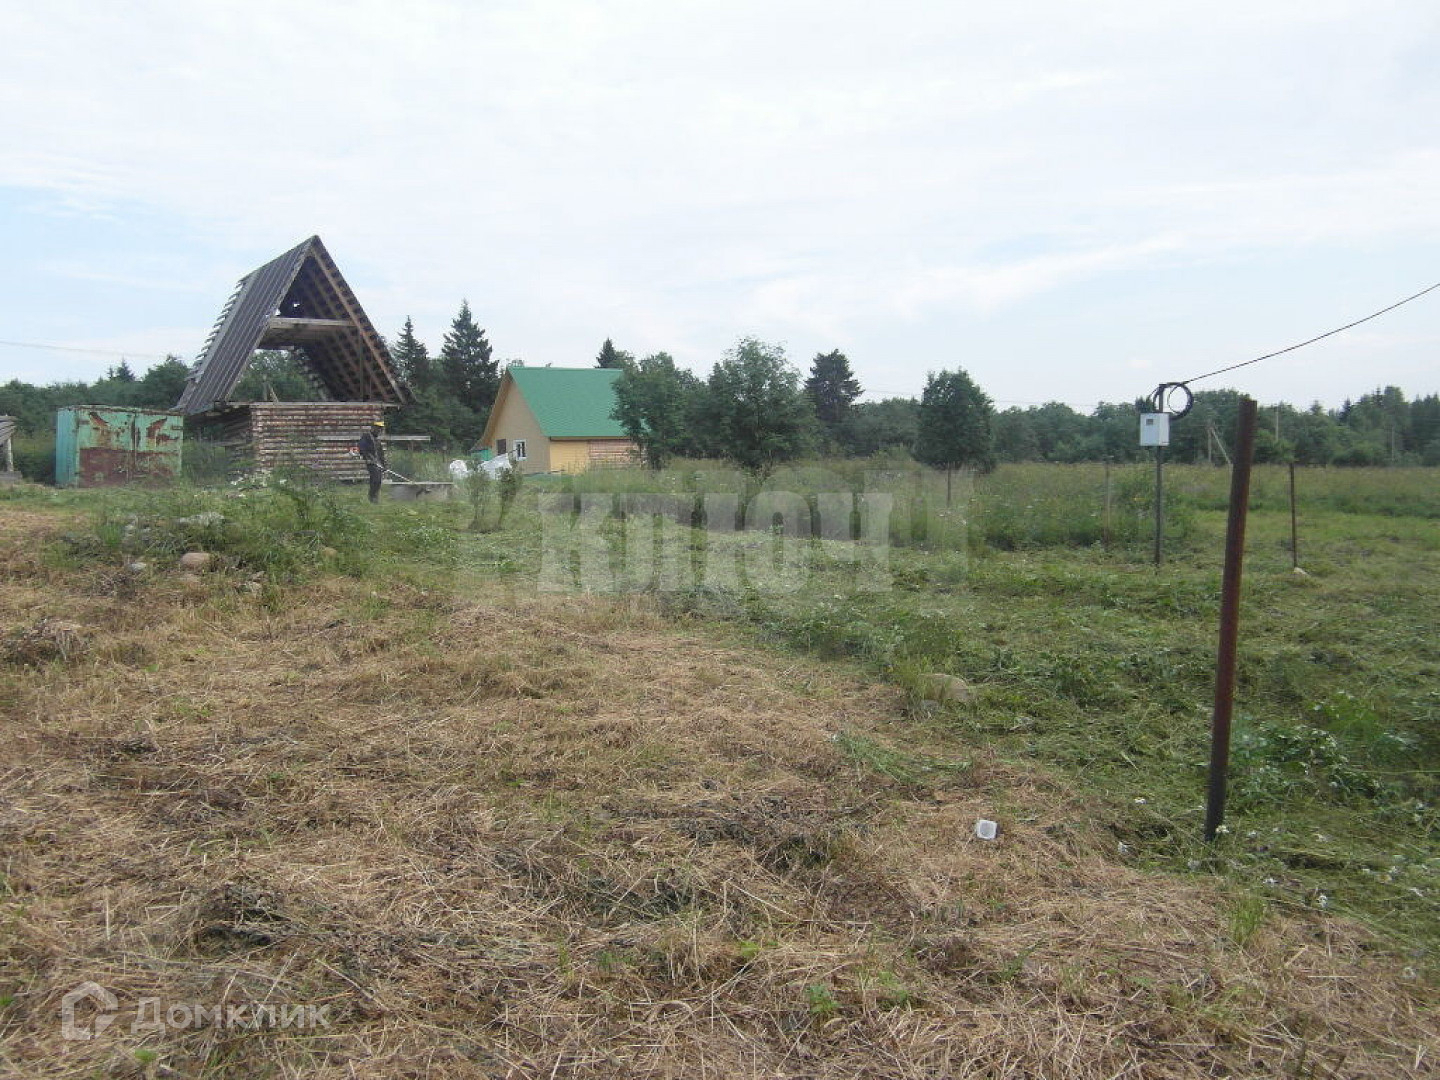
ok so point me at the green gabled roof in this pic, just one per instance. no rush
(571, 402)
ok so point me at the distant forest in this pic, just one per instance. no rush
(1381, 427)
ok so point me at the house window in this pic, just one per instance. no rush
(519, 449)
(499, 447)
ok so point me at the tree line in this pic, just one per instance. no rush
(757, 409)
(1378, 428)
(34, 407)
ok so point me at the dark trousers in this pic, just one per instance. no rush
(377, 474)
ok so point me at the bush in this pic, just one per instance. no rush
(203, 462)
(508, 485)
(35, 457)
(273, 524)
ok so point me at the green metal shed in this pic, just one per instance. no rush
(100, 445)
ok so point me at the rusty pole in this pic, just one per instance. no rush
(1230, 617)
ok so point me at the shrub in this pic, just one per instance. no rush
(203, 462)
(478, 489)
(509, 484)
(35, 457)
(275, 524)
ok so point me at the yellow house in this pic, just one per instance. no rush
(557, 420)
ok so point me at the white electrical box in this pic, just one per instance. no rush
(1154, 429)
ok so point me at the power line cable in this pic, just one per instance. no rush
(93, 352)
(1317, 337)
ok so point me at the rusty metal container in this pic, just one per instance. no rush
(100, 445)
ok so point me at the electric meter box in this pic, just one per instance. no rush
(1154, 429)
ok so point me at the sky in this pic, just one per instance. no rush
(1072, 202)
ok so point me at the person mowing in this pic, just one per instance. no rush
(372, 452)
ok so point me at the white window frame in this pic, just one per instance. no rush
(518, 449)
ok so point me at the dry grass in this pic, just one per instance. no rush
(560, 837)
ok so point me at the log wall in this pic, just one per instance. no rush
(315, 435)
(613, 453)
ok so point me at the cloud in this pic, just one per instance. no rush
(986, 287)
(677, 175)
(159, 278)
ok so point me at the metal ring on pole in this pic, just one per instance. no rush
(1160, 400)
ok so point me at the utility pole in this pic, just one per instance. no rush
(1155, 431)
(1159, 505)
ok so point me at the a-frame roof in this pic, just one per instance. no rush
(298, 301)
(568, 403)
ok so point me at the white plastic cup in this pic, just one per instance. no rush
(986, 829)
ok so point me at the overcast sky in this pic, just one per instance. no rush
(1070, 201)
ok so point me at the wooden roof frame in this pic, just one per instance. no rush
(302, 302)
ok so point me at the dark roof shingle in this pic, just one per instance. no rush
(346, 358)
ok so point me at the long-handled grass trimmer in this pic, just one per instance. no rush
(386, 468)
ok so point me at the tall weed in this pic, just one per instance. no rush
(274, 524)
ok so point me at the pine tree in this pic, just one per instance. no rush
(467, 372)
(833, 388)
(121, 373)
(413, 360)
(611, 357)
